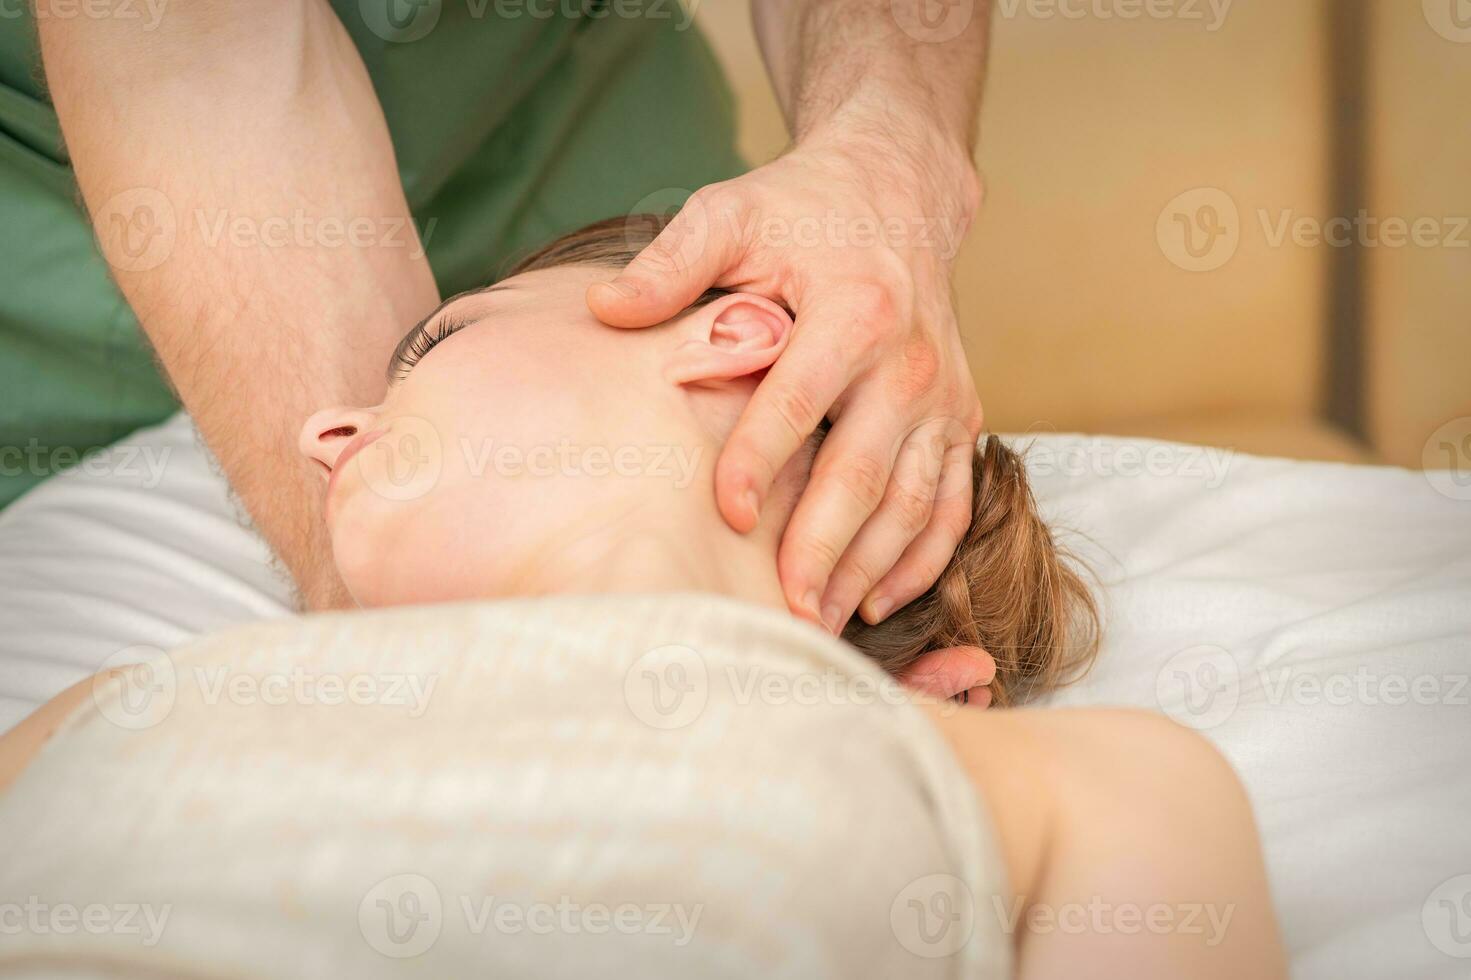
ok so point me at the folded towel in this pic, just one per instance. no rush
(680, 786)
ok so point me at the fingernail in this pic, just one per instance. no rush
(879, 608)
(753, 504)
(832, 618)
(809, 604)
(624, 288)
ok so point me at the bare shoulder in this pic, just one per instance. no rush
(20, 745)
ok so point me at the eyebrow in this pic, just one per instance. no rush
(422, 328)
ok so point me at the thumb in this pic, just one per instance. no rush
(689, 256)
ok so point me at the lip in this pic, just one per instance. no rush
(345, 457)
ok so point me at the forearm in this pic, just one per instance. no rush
(294, 266)
(870, 70)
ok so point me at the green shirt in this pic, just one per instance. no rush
(513, 121)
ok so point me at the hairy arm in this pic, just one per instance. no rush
(888, 70)
(240, 176)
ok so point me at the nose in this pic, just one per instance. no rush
(329, 431)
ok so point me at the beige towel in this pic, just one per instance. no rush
(664, 786)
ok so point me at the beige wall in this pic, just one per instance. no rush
(1420, 297)
(1073, 301)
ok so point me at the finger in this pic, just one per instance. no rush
(901, 516)
(929, 554)
(848, 482)
(686, 258)
(787, 406)
(976, 697)
(949, 672)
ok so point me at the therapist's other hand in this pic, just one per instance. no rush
(856, 237)
(962, 674)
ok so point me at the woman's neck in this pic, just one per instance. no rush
(659, 543)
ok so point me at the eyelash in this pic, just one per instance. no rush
(420, 341)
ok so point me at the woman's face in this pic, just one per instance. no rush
(516, 425)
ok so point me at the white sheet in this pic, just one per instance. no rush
(1314, 620)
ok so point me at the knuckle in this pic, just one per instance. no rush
(953, 523)
(912, 508)
(743, 461)
(921, 366)
(661, 257)
(817, 552)
(719, 200)
(975, 420)
(875, 306)
(794, 405)
(858, 573)
(863, 476)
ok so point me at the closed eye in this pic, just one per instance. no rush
(434, 328)
(419, 341)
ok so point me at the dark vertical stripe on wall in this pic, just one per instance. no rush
(1344, 377)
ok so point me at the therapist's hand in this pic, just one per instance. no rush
(855, 233)
(962, 674)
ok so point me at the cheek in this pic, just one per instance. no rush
(464, 535)
(403, 555)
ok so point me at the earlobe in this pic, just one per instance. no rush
(733, 337)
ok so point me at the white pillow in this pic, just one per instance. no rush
(1313, 619)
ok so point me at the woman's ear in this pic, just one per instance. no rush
(732, 337)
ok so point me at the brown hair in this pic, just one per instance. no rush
(1010, 589)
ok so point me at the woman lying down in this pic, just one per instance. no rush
(638, 724)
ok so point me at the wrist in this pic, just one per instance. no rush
(916, 161)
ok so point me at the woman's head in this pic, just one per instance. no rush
(525, 447)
